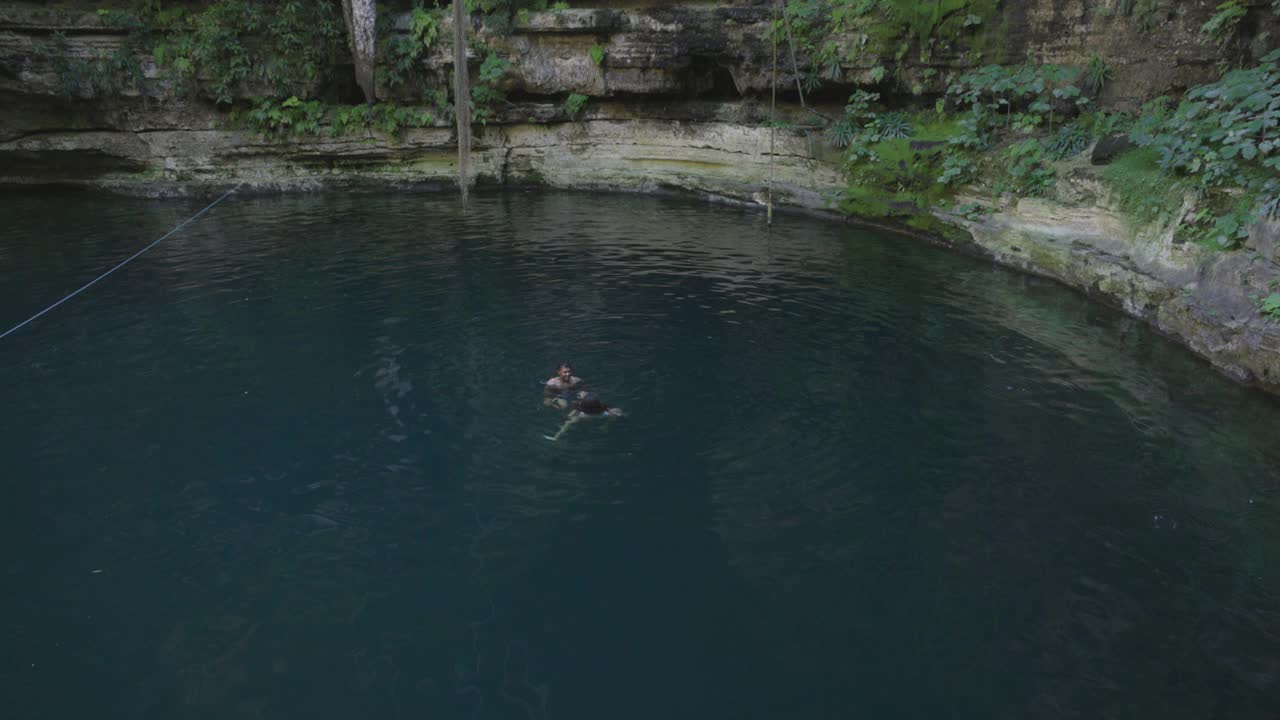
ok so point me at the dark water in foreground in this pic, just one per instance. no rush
(291, 464)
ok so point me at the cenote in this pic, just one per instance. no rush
(291, 463)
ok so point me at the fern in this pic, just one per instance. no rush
(1222, 25)
(1096, 74)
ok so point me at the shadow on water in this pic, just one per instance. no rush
(292, 462)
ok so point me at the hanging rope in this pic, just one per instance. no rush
(795, 71)
(795, 67)
(773, 111)
(462, 94)
(126, 261)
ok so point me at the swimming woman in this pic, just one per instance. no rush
(588, 405)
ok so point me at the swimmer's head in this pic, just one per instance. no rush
(590, 404)
(564, 372)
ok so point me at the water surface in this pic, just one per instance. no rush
(291, 464)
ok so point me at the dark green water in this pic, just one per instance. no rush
(291, 464)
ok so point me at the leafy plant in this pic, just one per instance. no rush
(402, 54)
(892, 28)
(1028, 171)
(1223, 134)
(1222, 25)
(841, 134)
(1230, 229)
(574, 104)
(385, 118)
(1069, 141)
(597, 54)
(1096, 74)
(1269, 306)
(485, 94)
(929, 24)
(898, 177)
(1143, 12)
(90, 75)
(281, 47)
(1142, 189)
(956, 169)
(889, 126)
(1105, 124)
(289, 117)
(1034, 90)
(973, 212)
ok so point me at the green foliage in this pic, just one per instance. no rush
(575, 103)
(1028, 171)
(1223, 24)
(1096, 74)
(493, 69)
(1032, 90)
(1105, 124)
(1228, 229)
(597, 54)
(891, 27)
(294, 117)
(890, 126)
(93, 75)
(1070, 140)
(401, 56)
(850, 130)
(1223, 135)
(929, 23)
(973, 212)
(288, 117)
(1142, 190)
(1269, 306)
(225, 44)
(485, 94)
(1143, 12)
(499, 7)
(382, 117)
(499, 15)
(957, 169)
(899, 177)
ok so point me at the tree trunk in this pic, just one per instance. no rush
(462, 93)
(362, 31)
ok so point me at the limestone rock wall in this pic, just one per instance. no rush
(679, 101)
(1204, 299)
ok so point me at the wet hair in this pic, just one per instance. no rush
(590, 404)
(564, 366)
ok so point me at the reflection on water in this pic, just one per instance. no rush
(292, 462)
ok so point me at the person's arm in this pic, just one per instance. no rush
(573, 418)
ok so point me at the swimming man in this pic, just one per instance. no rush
(560, 388)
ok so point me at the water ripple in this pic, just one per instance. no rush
(305, 439)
